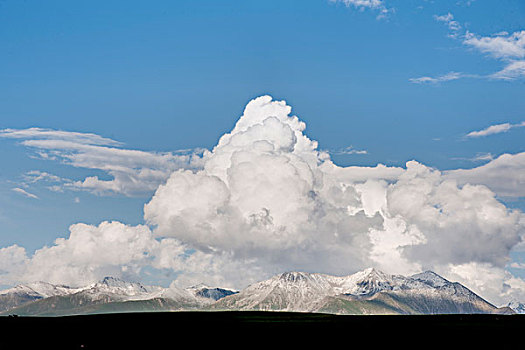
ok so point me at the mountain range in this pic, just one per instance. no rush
(365, 292)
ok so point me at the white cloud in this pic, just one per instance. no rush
(49, 134)
(115, 249)
(448, 19)
(266, 200)
(495, 129)
(509, 46)
(481, 157)
(516, 265)
(503, 175)
(132, 172)
(267, 194)
(447, 77)
(374, 4)
(493, 283)
(349, 150)
(24, 192)
(378, 5)
(12, 264)
(88, 254)
(512, 71)
(35, 176)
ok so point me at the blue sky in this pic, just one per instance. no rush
(393, 81)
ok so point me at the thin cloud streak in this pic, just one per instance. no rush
(494, 129)
(433, 80)
(24, 193)
(348, 150)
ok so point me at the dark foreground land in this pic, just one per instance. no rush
(171, 330)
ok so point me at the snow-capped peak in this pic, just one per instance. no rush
(113, 283)
(431, 278)
(302, 291)
(39, 289)
(517, 307)
(118, 289)
(294, 276)
(209, 294)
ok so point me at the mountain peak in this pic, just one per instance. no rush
(373, 272)
(293, 276)
(431, 278)
(111, 281)
(115, 285)
(517, 307)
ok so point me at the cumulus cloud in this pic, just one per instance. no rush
(493, 283)
(89, 253)
(92, 252)
(132, 172)
(503, 175)
(12, 263)
(266, 193)
(266, 200)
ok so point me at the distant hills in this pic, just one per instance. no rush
(365, 292)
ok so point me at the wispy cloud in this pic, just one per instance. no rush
(349, 150)
(49, 134)
(377, 5)
(482, 157)
(452, 24)
(24, 193)
(432, 80)
(500, 45)
(495, 129)
(507, 48)
(479, 157)
(513, 70)
(35, 176)
(132, 172)
(516, 265)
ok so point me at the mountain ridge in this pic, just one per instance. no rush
(369, 291)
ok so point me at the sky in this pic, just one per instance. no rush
(226, 141)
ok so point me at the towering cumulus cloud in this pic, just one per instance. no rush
(267, 194)
(266, 200)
